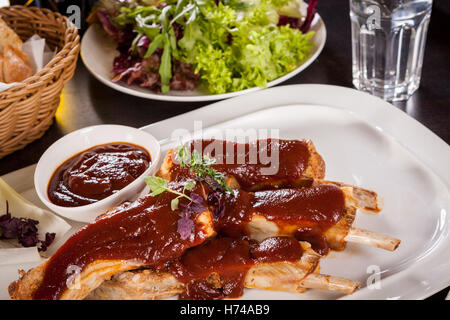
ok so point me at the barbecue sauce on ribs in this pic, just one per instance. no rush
(217, 268)
(306, 213)
(144, 231)
(249, 163)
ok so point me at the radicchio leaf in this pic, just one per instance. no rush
(144, 41)
(108, 25)
(122, 35)
(310, 13)
(295, 23)
(122, 62)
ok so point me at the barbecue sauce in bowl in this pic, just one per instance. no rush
(96, 173)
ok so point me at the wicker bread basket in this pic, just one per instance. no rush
(27, 109)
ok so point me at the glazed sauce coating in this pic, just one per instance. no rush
(249, 162)
(144, 231)
(315, 236)
(322, 205)
(307, 212)
(97, 173)
(217, 268)
(277, 249)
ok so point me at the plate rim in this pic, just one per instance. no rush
(213, 97)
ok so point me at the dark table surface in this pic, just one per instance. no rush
(86, 101)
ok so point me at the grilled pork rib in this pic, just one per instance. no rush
(138, 234)
(126, 253)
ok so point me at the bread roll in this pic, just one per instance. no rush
(14, 64)
(8, 37)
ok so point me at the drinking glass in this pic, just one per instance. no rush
(388, 44)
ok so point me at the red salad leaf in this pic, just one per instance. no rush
(122, 35)
(294, 23)
(122, 62)
(310, 13)
(108, 25)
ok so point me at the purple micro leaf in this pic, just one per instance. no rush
(196, 198)
(196, 205)
(213, 184)
(185, 226)
(28, 232)
(24, 230)
(215, 199)
(9, 226)
(29, 240)
(219, 210)
(49, 238)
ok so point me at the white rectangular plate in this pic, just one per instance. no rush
(364, 141)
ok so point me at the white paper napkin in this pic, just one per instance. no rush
(10, 250)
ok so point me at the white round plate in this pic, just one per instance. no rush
(364, 141)
(98, 51)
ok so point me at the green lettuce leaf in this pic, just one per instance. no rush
(234, 52)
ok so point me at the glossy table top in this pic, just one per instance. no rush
(85, 101)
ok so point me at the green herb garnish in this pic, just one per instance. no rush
(159, 185)
(201, 166)
(185, 225)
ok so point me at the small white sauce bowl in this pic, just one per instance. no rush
(84, 139)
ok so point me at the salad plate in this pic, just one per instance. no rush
(400, 159)
(98, 51)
